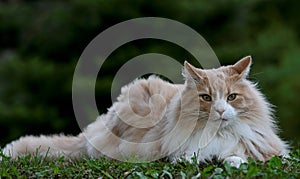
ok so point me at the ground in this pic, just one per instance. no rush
(37, 167)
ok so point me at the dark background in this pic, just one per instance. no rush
(41, 41)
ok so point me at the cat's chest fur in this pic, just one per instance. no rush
(205, 147)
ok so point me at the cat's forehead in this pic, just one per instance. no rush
(220, 73)
(219, 80)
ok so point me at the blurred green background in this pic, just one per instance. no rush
(41, 41)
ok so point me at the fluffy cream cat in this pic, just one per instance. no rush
(215, 113)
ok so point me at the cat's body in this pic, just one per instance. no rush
(215, 113)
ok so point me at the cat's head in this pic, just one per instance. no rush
(224, 93)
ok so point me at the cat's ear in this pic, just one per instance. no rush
(192, 74)
(242, 67)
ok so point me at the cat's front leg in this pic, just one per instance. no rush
(234, 161)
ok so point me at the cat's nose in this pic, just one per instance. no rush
(220, 111)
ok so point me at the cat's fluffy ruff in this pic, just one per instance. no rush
(215, 113)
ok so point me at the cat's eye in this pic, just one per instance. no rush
(231, 97)
(206, 97)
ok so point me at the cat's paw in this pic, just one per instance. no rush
(189, 158)
(234, 161)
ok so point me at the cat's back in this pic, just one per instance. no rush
(142, 93)
(141, 105)
(143, 102)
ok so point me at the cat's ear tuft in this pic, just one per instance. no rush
(192, 73)
(242, 67)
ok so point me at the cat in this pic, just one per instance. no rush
(216, 113)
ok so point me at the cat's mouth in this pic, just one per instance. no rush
(223, 119)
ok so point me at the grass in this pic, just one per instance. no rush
(38, 167)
